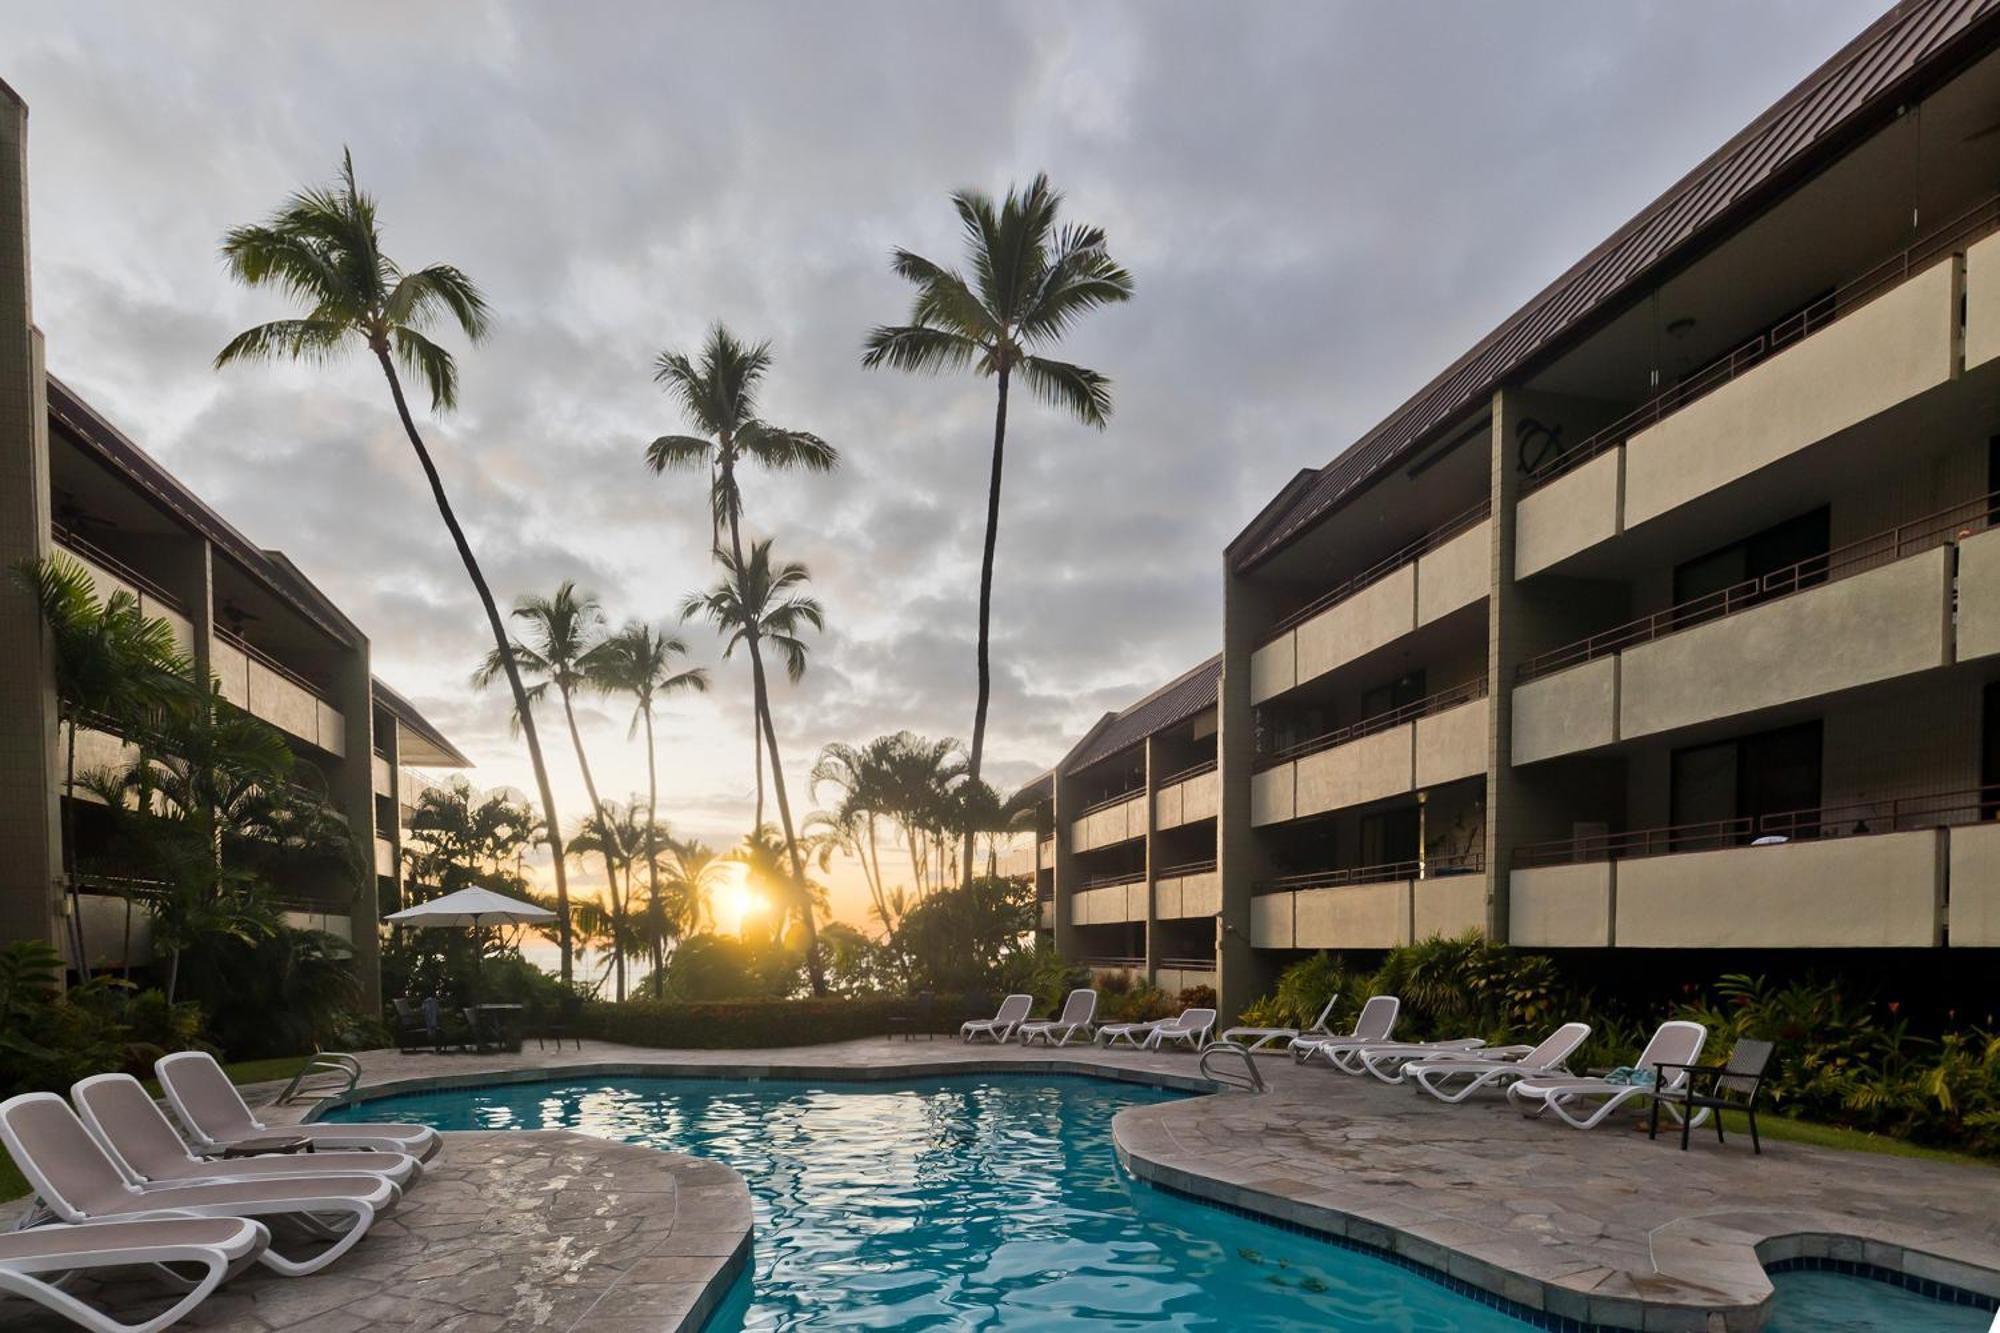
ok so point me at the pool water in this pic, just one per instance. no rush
(997, 1203)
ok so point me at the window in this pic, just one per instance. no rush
(1800, 542)
(1722, 792)
(1387, 698)
(1389, 838)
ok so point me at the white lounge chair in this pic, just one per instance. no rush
(1014, 1011)
(1189, 1028)
(1078, 1009)
(1586, 1103)
(1453, 1078)
(1132, 1034)
(35, 1263)
(75, 1180)
(1375, 1023)
(1351, 1057)
(1261, 1037)
(142, 1141)
(216, 1117)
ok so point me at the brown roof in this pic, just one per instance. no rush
(406, 713)
(1909, 49)
(1178, 700)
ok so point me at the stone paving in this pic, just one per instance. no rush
(1602, 1226)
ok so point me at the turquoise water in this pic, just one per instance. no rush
(997, 1203)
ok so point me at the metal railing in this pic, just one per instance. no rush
(1381, 569)
(1463, 693)
(1247, 1079)
(1188, 868)
(1430, 867)
(1110, 801)
(1961, 231)
(1188, 964)
(1905, 539)
(1126, 964)
(1888, 814)
(84, 549)
(1192, 771)
(1114, 880)
(264, 659)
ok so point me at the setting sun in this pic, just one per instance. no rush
(732, 900)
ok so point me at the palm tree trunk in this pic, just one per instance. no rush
(757, 746)
(978, 750)
(69, 855)
(653, 852)
(499, 629)
(603, 827)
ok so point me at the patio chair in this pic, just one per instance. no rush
(1732, 1086)
(37, 1263)
(1013, 1012)
(569, 1017)
(76, 1181)
(1585, 1103)
(135, 1132)
(1375, 1023)
(1078, 1009)
(1492, 1066)
(1189, 1028)
(1265, 1036)
(416, 1028)
(216, 1117)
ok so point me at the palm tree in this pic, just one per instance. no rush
(323, 249)
(1030, 282)
(756, 603)
(114, 667)
(719, 395)
(641, 661)
(614, 832)
(561, 632)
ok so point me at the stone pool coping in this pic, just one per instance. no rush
(1574, 1230)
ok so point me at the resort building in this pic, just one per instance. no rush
(1667, 618)
(72, 485)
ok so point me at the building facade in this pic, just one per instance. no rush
(72, 485)
(1667, 618)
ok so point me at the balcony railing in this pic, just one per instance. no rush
(1189, 964)
(1960, 232)
(1888, 814)
(1191, 771)
(83, 548)
(1431, 867)
(1382, 568)
(1905, 539)
(1184, 869)
(1112, 881)
(1431, 703)
(264, 659)
(1127, 964)
(1110, 801)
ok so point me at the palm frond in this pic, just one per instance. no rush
(429, 363)
(786, 450)
(418, 298)
(674, 452)
(310, 340)
(916, 347)
(1086, 393)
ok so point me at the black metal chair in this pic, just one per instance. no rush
(922, 1017)
(569, 1016)
(1717, 1088)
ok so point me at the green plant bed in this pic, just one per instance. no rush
(1781, 1129)
(751, 1024)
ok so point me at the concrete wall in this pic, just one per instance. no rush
(1573, 513)
(1455, 574)
(1274, 667)
(1573, 709)
(1562, 907)
(1271, 921)
(1116, 824)
(1974, 905)
(1184, 896)
(1449, 905)
(1451, 744)
(1979, 590)
(1272, 794)
(1185, 802)
(1109, 905)
(1174, 980)
(1359, 771)
(1353, 916)
(1381, 613)
(1874, 626)
(1982, 302)
(1885, 353)
(1881, 891)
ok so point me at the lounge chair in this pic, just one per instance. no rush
(1352, 1057)
(1374, 1024)
(1586, 1103)
(1014, 1011)
(36, 1263)
(216, 1117)
(142, 1141)
(1490, 1066)
(76, 1181)
(1077, 1012)
(1189, 1028)
(1132, 1034)
(1261, 1037)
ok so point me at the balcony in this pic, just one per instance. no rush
(1174, 975)
(1113, 820)
(1187, 797)
(1878, 341)
(1045, 854)
(264, 688)
(1439, 573)
(1432, 740)
(1109, 900)
(1369, 907)
(1184, 891)
(1866, 612)
(109, 575)
(385, 858)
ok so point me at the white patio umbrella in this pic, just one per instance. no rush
(474, 907)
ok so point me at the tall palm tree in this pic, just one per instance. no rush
(115, 667)
(323, 249)
(643, 662)
(718, 393)
(614, 832)
(560, 632)
(1031, 281)
(757, 603)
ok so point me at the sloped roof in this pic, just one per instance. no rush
(1178, 700)
(445, 754)
(1908, 49)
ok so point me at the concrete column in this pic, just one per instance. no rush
(351, 783)
(1242, 976)
(1503, 658)
(1066, 874)
(30, 812)
(1152, 949)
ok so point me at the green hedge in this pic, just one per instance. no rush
(747, 1024)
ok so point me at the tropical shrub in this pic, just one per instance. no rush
(749, 1024)
(50, 1037)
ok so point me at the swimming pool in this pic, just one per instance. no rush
(996, 1202)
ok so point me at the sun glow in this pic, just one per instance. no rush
(733, 900)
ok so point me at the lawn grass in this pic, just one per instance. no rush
(13, 1185)
(1779, 1129)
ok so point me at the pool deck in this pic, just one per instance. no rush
(1602, 1228)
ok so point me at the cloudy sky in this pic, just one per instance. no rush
(1321, 203)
